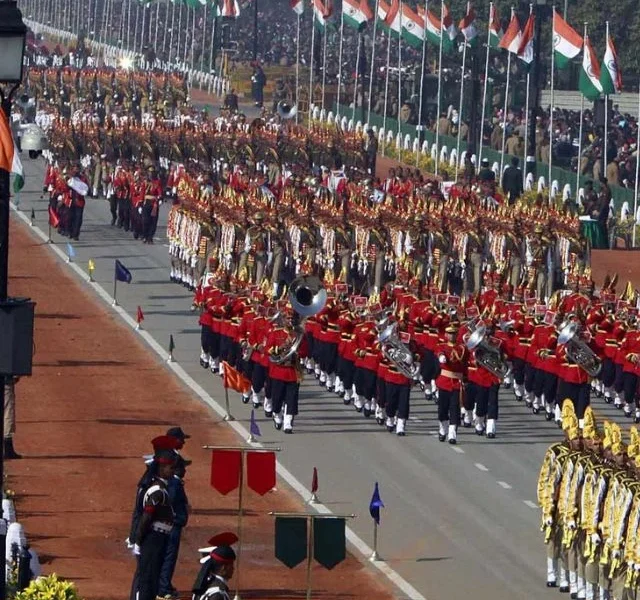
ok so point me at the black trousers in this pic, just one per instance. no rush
(532, 380)
(449, 406)
(365, 381)
(214, 345)
(258, 377)
(169, 563)
(152, 552)
(113, 209)
(205, 338)
(397, 400)
(124, 213)
(328, 355)
(517, 369)
(608, 373)
(618, 381)
(429, 366)
(629, 386)
(381, 393)
(77, 213)
(578, 393)
(346, 370)
(285, 394)
(487, 401)
(549, 387)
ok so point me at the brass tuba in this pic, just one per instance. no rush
(487, 355)
(396, 352)
(577, 349)
(307, 298)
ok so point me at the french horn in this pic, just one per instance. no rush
(577, 349)
(307, 297)
(487, 355)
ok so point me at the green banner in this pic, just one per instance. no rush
(329, 541)
(291, 540)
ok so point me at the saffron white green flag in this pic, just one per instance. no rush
(412, 27)
(512, 38)
(448, 27)
(590, 73)
(321, 13)
(567, 43)
(392, 19)
(495, 29)
(611, 78)
(356, 13)
(297, 6)
(468, 25)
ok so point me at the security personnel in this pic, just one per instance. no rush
(180, 505)
(76, 205)
(151, 206)
(212, 582)
(154, 526)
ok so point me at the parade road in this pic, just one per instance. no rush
(459, 521)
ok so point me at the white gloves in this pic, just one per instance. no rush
(595, 539)
(140, 210)
(548, 521)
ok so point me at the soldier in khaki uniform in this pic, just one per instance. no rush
(254, 256)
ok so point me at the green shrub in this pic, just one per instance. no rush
(49, 588)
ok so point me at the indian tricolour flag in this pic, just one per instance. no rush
(512, 38)
(229, 8)
(297, 6)
(448, 26)
(9, 158)
(468, 25)
(432, 26)
(412, 27)
(590, 73)
(321, 13)
(525, 52)
(390, 16)
(495, 29)
(567, 43)
(356, 13)
(611, 78)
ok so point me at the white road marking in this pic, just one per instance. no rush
(415, 419)
(481, 467)
(504, 484)
(457, 449)
(530, 504)
(361, 547)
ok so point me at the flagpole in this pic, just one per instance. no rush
(324, 59)
(240, 499)
(186, 29)
(464, 61)
(374, 555)
(213, 42)
(635, 199)
(155, 37)
(504, 116)
(340, 63)
(128, 25)
(115, 290)
(193, 39)
(355, 85)
(422, 70)
(297, 65)
(312, 61)
(439, 90)
(386, 93)
(144, 22)
(484, 91)
(228, 416)
(173, 24)
(179, 30)
(553, 66)
(526, 115)
(135, 29)
(309, 554)
(580, 134)
(373, 60)
(399, 69)
(204, 36)
(605, 145)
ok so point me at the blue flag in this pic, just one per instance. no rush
(122, 273)
(253, 426)
(375, 505)
(71, 253)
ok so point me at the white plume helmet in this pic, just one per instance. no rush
(222, 539)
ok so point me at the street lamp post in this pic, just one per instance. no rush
(13, 33)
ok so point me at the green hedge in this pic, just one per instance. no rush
(620, 194)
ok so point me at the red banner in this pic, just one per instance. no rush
(261, 471)
(225, 470)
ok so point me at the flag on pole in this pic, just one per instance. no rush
(468, 25)
(525, 52)
(567, 43)
(448, 26)
(356, 13)
(233, 379)
(9, 159)
(314, 481)
(139, 316)
(71, 252)
(253, 425)
(91, 266)
(610, 77)
(392, 20)
(412, 27)
(297, 6)
(432, 25)
(229, 8)
(54, 220)
(322, 11)
(172, 345)
(511, 39)
(589, 83)
(375, 505)
(122, 273)
(495, 29)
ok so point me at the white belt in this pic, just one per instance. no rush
(161, 527)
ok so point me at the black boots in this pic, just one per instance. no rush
(9, 452)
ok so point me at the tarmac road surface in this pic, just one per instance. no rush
(459, 520)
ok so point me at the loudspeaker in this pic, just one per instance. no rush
(598, 111)
(16, 341)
